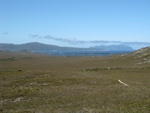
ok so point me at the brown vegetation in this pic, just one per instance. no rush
(43, 84)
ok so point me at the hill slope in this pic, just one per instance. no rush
(142, 56)
(139, 58)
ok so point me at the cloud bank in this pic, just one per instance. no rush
(96, 42)
(50, 37)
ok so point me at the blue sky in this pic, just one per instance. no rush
(74, 22)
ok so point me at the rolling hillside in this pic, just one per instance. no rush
(139, 58)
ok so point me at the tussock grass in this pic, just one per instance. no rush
(73, 85)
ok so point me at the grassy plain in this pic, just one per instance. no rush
(35, 83)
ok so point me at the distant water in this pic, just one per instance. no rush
(80, 52)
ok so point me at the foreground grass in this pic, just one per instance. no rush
(74, 92)
(73, 89)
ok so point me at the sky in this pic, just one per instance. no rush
(76, 23)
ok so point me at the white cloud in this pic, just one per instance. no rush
(74, 41)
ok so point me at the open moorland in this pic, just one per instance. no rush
(36, 83)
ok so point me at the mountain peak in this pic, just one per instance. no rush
(119, 47)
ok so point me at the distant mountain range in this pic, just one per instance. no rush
(30, 47)
(39, 46)
(120, 47)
